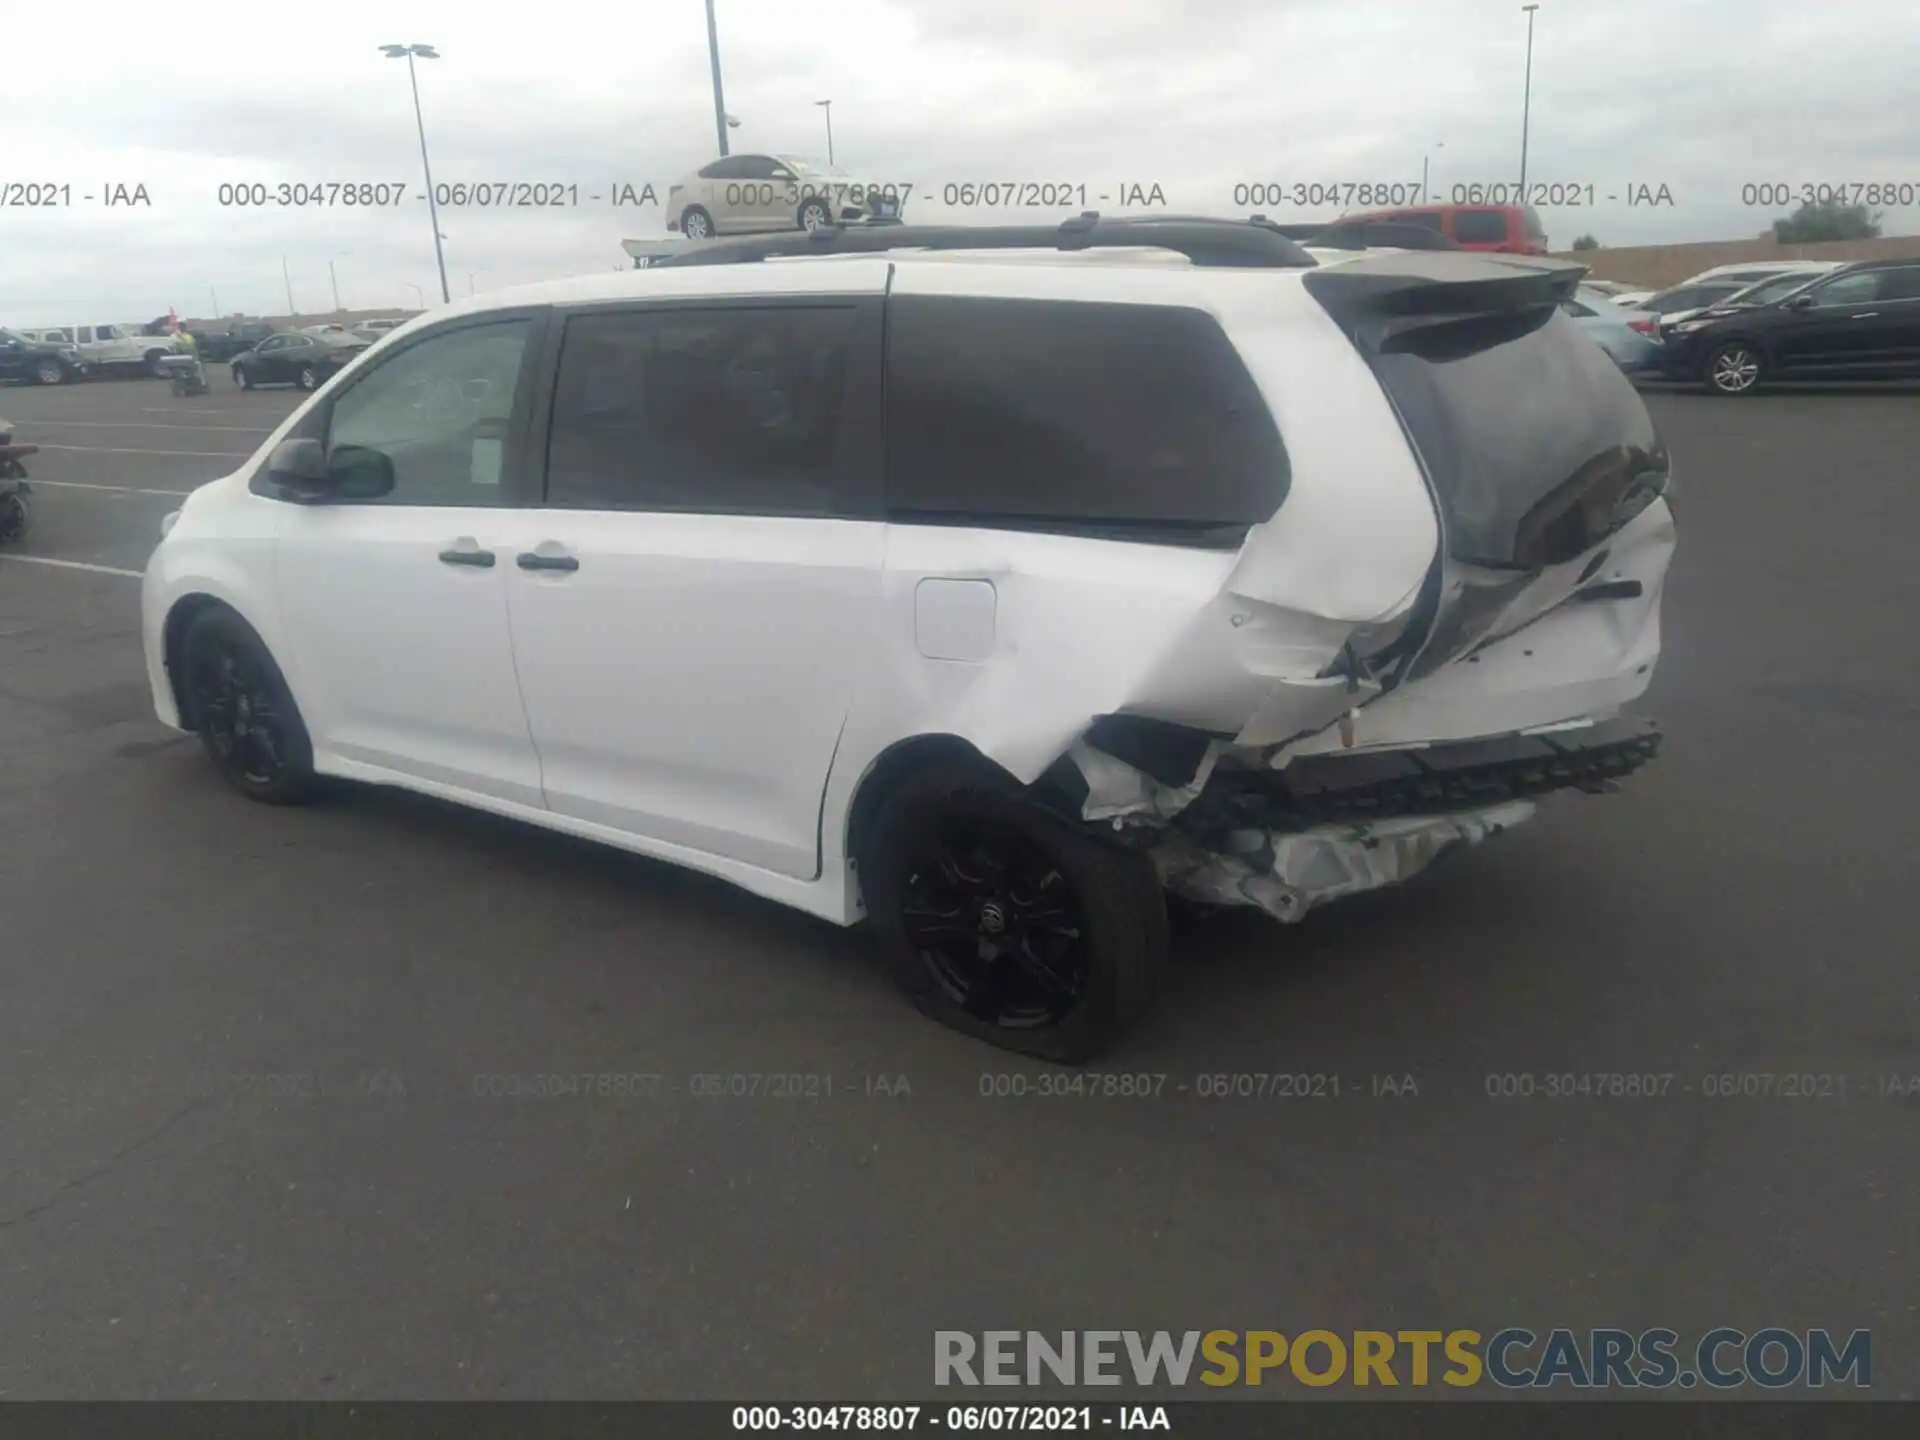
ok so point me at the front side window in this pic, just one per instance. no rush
(85, 332)
(1049, 414)
(108, 332)
(438, 413)
(1480, 227)
(1860, 288)
(732, 411)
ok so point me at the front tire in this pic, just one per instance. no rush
(814, 216)
(1735, 368)
(1003, 920)
(50, 372)
(696, 223)
(239, 704)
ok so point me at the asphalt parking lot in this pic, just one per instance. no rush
(248, 1058)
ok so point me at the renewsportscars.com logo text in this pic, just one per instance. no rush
(1514, 1358)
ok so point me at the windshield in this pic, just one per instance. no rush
(1768, 291)
(809, 167)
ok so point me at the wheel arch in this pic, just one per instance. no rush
(181, 613)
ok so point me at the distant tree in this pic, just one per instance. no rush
(1586, 242)
(1811, 224)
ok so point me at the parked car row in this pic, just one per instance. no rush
(108, 349)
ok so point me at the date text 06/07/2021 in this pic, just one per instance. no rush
(924, 1419)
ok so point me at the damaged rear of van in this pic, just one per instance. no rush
(1253, 589)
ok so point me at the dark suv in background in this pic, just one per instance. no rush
(36, 362)
(1862, 322)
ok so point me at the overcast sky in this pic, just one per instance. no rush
(1194, 96)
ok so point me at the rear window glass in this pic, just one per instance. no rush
(1029, 413)
(1480, 227)
(1538, 446)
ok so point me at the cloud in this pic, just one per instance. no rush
(1195, 96)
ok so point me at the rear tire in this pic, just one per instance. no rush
(309, 378)
(16, 516)
(1004, 920)
(154, 367)
(1735, 368)
(238, 702)
(242, 378)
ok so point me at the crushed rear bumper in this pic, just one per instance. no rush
(1328, 826)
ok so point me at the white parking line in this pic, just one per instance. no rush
(72, 565)
(149, 425)
(119, 450)
(116, 489)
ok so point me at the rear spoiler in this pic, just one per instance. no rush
(1390, 293)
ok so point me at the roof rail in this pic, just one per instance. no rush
(1244, 244)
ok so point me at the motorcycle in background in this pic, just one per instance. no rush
(16, 514)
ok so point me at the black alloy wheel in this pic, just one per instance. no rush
(238, 703)
(1000, 929)
(1007, 920)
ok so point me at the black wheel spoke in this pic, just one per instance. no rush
(995, 921)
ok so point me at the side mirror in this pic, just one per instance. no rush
(783, 175)
(1800, 302)
(299, 467)
(355, 472)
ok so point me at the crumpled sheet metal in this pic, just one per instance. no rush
(1115, 789)
(1289, 874)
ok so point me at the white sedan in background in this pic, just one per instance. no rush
(750, 194)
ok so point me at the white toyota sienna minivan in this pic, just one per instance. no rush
(991, 585)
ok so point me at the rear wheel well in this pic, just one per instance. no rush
(894, 764)
(1058, 788)
(185, 610)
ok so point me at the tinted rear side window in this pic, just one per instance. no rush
(1538, 446)
(1480, 227)
(1047, 414)
(723, 411)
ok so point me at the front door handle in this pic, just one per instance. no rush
(533, 560)
(467, 553)
(1867, 315)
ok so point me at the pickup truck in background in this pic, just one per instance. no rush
(109, 349)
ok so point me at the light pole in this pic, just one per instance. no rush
(425, 52)
(1526, 103)
(1437, 145)
(336, 285)
(214, 295)
(292, 314)
(827, 105)
(419, 294)
(720, 116)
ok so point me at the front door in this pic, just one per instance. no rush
(1845, 330)
(394, 605)
(690, 620)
